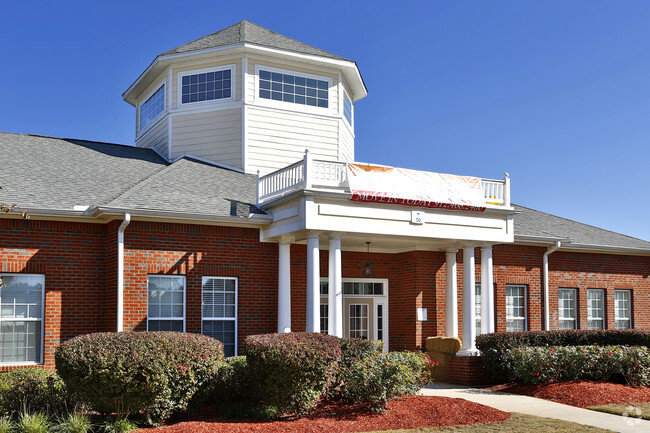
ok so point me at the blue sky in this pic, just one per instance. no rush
(557, 93)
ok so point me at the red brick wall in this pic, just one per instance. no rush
(80, 268)
(72, 256)
(468, 370)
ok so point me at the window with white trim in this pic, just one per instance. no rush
(567, 308)
(515, 308)
(324, 319)
(219, 311)
(21, 318)
(294, 88)
(358, 317)
(596, 309)
(622, 309)
(347, 108)
(477, 307)
(206, 85)
(166, 303)
(152, 107)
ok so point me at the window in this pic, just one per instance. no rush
(622, 309)
(206, 85)
(21, 318)
(358, 288)
(358, 321)
(567, 308)
(152, 107)
(166, 298)
(219, 309)
(347, 108)
(324, 318)
(477, 306)
(296, 89)
(515, 308)
(596, 309)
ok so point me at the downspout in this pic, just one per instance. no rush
(550, 251)
(120, 271)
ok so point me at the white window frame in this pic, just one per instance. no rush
(42, 319)
(573, 320)
(182, 277)
(366, 329)
(192, 105)
(590, 316)
(225, 319)
(524, 288)
(347, 95)
(618, 318)
(160, 115)
(290, 106)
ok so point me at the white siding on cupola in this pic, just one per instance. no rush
(189, 66)
(156, 138)
(213, 135)
(347, 142)
(277, 139)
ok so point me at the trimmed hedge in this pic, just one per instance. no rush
(564, 363)
(355, 349)
(293, 370)
(235, 382)
(494, 347)
(155, 372)
(379, 377)
(35, 390)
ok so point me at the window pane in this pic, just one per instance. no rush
(152, 107)
(290, 88)
(515, 308)
(622, 309)
(208, 83)
(165, 301)
(224, 331)
(324, 319)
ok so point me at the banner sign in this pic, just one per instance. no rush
(382, 184)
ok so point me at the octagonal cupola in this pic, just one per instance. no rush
(249, 99)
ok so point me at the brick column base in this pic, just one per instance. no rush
(468, 370)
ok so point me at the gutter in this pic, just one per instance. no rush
(550, 251)
(120, 271)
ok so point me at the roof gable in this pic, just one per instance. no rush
(247, 32)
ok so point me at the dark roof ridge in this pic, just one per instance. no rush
(578, 222)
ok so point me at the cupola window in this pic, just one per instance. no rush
(206, 86)
(152, 107)
(296, 89)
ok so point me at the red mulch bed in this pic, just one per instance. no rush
(580, 393)
(406, 413)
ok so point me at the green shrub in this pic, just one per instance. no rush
(73, 423)
(33, 389)
(36, 422)
(6, 425)
(355, 349)
(120, 425)
(494, 347)
(564, 363)
(293, 370)
(235, 382)
(155, 372)
(377, 378)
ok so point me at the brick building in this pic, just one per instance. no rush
(215, 221)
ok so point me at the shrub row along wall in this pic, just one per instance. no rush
(495, 348)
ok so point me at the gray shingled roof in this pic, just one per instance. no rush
(57, 174)
(247, 32)
(533, 223)
(190, 186)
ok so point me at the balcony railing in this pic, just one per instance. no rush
(331, 175)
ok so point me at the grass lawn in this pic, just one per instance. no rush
(636, 410)
(517, 423)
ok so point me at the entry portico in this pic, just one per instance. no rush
(311, 202)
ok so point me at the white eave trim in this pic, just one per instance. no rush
(567, 245)
(347, 65)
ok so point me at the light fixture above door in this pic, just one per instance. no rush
(368, 269)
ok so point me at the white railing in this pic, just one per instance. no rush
(309, 173)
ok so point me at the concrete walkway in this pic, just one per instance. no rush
(538, 407)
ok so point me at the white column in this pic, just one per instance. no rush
(487, 290)
(469, 317)
(284, 287)
(313, 284)
(451, 311)
(335, 294)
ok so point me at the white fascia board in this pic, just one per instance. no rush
(256, 220)
(349, 68)
(567, 245)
